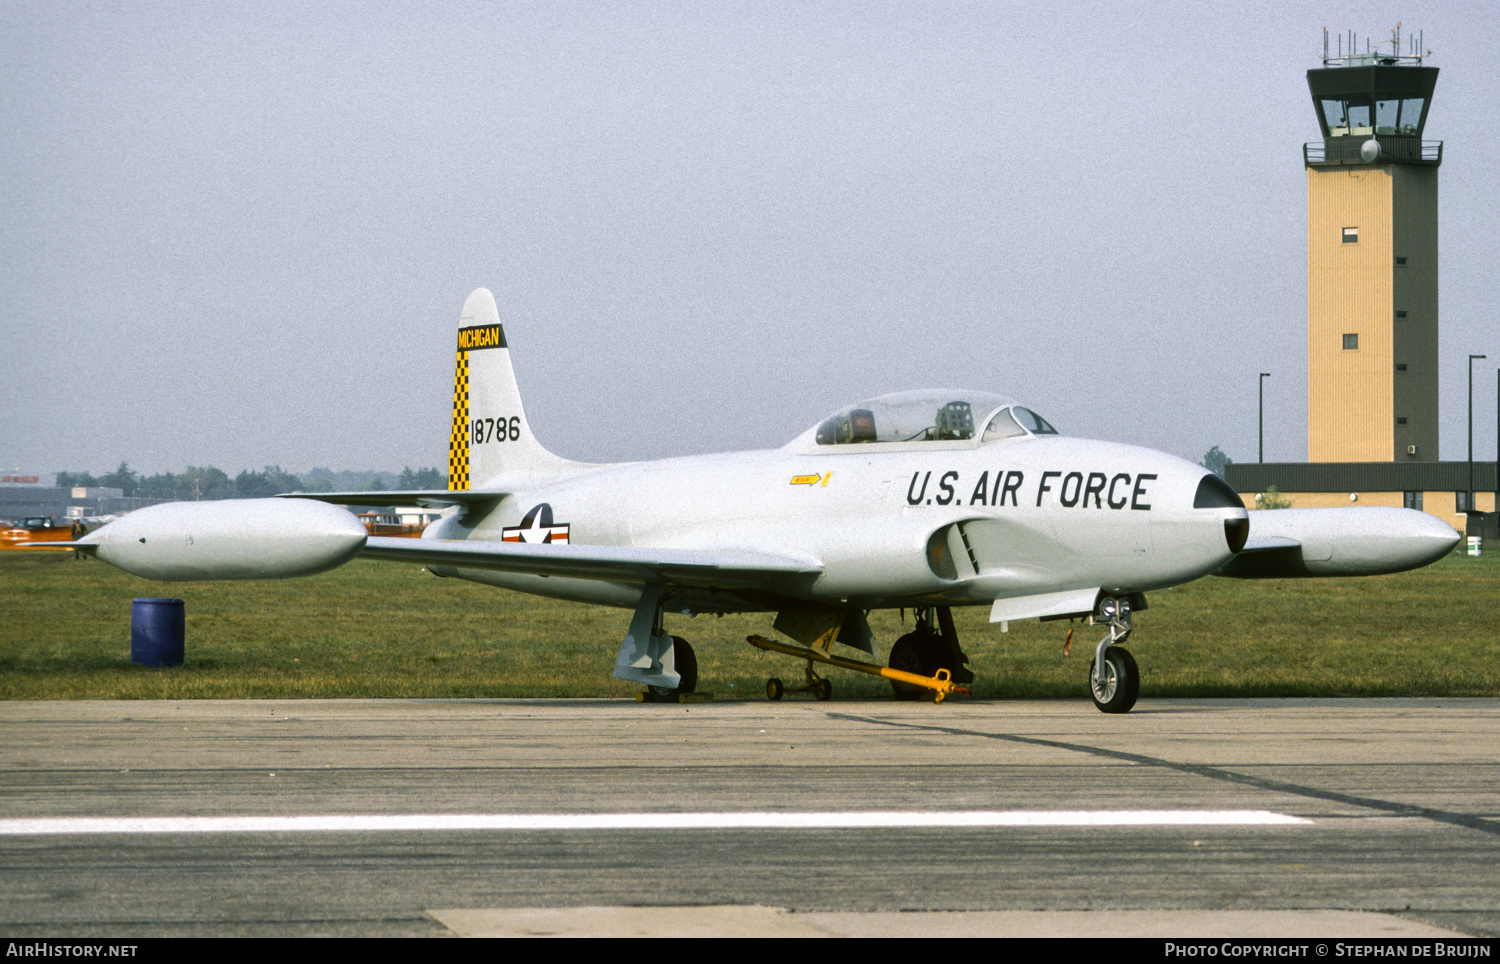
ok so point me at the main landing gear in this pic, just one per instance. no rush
(666, 665)
(921, 662)
(687, 668)
(940, 684)
(1114, 680)
(927, 649)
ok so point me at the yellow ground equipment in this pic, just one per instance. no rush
(941, 683)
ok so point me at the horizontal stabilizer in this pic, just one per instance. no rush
(676, 567)
(395, 497)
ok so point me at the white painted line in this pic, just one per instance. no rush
(375, 823)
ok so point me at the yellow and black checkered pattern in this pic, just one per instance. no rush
(458, 442)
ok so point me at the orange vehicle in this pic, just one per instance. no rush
(33, 529)
(388, 524)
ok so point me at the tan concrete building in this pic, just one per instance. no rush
(1372, 313)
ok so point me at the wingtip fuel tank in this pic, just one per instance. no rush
(1362, 541)
(230, 539)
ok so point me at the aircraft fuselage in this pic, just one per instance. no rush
(904, 524)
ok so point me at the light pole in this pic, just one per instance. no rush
(1263, 377)
(1469, 499)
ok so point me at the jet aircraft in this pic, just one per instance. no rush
(920, 500)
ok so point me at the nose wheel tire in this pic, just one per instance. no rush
(1120, 684)
(774, 689)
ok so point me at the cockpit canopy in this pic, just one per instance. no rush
(931, 415)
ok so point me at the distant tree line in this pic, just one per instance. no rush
(197, 484)
(1216, 461)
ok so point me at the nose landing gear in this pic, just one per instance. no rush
(1114, 681)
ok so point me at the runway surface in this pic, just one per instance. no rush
(1387, 818)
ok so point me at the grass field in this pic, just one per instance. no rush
(380, 630)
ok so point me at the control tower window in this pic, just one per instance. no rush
(1346, 117)
(1333, 116)
(1386, 115)
(1359, 118)
(1411, 114)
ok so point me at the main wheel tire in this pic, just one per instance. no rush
(910, 654)
(774, 689)
(1117, 691)
(823, 689)
(686, 662)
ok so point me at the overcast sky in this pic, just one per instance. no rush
(236, 234)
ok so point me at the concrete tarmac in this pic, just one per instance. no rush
(1403, 799)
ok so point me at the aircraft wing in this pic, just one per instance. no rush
(1269, 544)
(393, 497)
(678, 567)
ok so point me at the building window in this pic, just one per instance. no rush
(1412, 500)
(1400, 314)
(1351, 342)
(1400, 366)
(1400, 262)
(1460, 502)
(1400, 419)
(1351, 235)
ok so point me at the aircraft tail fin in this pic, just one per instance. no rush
(490, 437)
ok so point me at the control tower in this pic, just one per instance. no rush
(1372, 249)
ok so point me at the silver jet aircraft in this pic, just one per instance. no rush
(919, 500)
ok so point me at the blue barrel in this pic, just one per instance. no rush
(156, 632)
